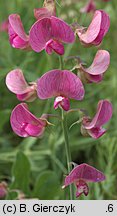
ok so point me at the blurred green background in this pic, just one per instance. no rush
(37, 166)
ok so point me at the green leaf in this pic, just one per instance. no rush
(6, 114)
(47, 186)
(21, 173)
(12, 195)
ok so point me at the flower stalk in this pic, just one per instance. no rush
(67, 148)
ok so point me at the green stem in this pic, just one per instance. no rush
(61, 62)
(67, 148)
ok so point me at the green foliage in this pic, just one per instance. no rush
(21, 173)
(47, 186)
(37, 167)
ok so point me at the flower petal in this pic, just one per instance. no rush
(60, 83)
(84, 172)
(63, 102)
(103, 115)
(16, 24)
(100, 63)
(56, 46)
(24, 123)
(96, 132)
(97, 29)
(82, 187)
(93, 30)
(105, 24)
(49, 28)
(16, 82)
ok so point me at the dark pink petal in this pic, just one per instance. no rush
(24, 123)
(96, 132)
(56, 46)
(63, 102)
(60, 83)
(82, 187)
(89, 7)
(97, 29)
(100, 64)
(17, 35)
(84, 172)
(16, 82)
(103, 115)
(49, 28)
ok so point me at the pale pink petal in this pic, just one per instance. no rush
(17, 36)
(63, 102)
(16, 82)
(97, 29)
(60, 83)
(105, 24)
(100, 63)
(93, 30)
(24, 123)
(84, 172)
(16, 24)
(103, 115)
(49, 28)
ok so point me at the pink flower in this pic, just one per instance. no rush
(3, 190)
(89, 7)
(50, 33)
(62, 85)
(94, 127)
(4, 26)
(17, 84)
(25, 124)
(81, 175)
(17, 36)
(99, 66)
(48, 10)
(97, 29)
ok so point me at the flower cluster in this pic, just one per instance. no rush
(49, 33)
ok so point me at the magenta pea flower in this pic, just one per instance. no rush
(17, 84)
(93, 127)
(89, 7)
(17, 36)
(81, 175)
(25, 124)
(3, 189)
(50, 33)
(97, 69)
(97, 29)
(62, 85)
